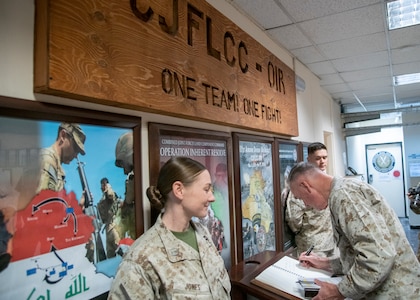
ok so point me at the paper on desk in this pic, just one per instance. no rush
(284, 275)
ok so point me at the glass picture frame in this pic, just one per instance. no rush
(57, 238)
(257, 195)
(213, 150)
(288, 155)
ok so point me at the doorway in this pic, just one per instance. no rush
(385, 173)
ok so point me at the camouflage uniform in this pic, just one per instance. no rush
(128, 218)
(124, 159)
(160, 266)
(108, 207)
(311, 227)
(52, 173)
(375, 254)
(416, 210)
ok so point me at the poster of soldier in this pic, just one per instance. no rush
(257, 197)
(288, 157)
(64, 220)
(213, 155)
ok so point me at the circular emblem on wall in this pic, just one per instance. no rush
(383, 161)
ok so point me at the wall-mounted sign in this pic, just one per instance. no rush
(180, 58)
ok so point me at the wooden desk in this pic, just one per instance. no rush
(242, 274)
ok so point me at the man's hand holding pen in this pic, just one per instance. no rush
(327, 290)
(309, 259)
(309, 250)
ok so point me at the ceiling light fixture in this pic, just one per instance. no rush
(403, 13)
(406, 79)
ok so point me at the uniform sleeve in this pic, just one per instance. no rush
(132, 283)
(368, 235)
(294, 212)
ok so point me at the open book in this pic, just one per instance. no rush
(287, 275)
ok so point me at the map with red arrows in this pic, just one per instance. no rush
(51, 221)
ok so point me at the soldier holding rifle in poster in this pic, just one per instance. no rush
(95, 249)
(68, 144)
(108, 207)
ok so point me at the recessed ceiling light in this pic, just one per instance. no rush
(403, 13)
(407, 79)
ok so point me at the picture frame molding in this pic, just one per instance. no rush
(156, 130)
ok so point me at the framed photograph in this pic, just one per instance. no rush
(304, 151)
(213, 150)
(64, 218)
(288, 154)
(255, 191)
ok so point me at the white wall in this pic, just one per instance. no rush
(356, 146)
(317, 113)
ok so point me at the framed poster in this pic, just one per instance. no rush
(304, 150)
(258, 212)
(288, 154)
(64, 218)
(212, 149)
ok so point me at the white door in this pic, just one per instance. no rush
(385, 173)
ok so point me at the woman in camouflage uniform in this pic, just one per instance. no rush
(375, 256)
(175, 258)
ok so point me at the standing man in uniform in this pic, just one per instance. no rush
(108, 207)
(124, 160)
(311, 226)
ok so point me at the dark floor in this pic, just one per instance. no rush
(412, 234)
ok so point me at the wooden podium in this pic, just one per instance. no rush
(242, 273)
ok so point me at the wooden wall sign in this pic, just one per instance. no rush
(173, 57)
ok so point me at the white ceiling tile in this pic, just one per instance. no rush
(331, 79)
(336, 88)
(344, 97)
(366, 73)
(408, 36)
(361, 62)
(370, 92)
(307, 10)
(346, 25)
(266, 12)
(308, 55)
(412, 67)
(289, 36)
(376, 83)
(406, 55)
(322, 68)
(355, 46)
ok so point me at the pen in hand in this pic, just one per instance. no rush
(309, 250)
